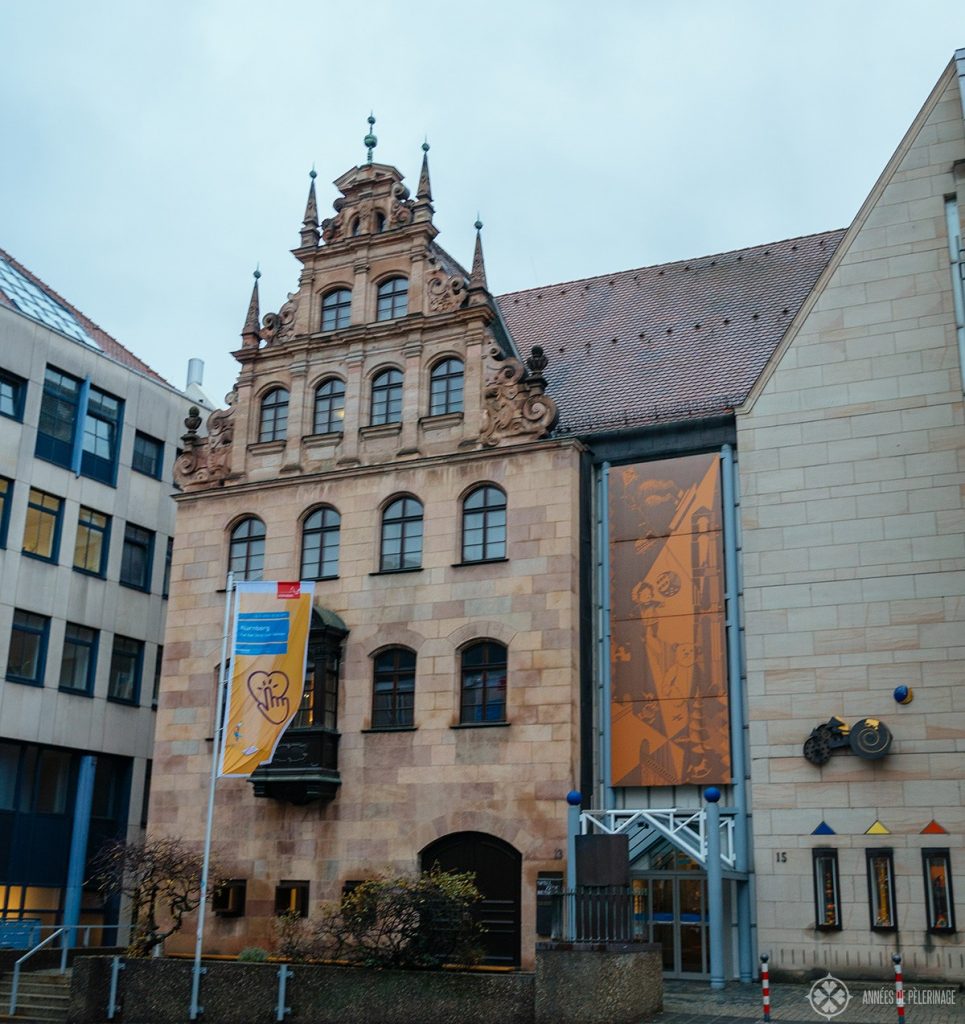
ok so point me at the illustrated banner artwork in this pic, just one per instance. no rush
(668, 663)
(268, 654)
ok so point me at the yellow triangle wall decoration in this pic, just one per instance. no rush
(877, 829)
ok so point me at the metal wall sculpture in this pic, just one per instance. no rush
(668, 670)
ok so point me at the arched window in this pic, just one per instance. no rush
(336, 309)
(401, 535)
(274, 416)
(483, 689)
(393, 299)
(387, 397)
(320, 544)
(484, 525)
(329, 407)
(445, 387)
(379, 222)
(246, 551)
(393, 689)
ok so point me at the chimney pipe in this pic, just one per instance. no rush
(195, 372)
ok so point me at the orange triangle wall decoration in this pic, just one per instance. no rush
(933, 829)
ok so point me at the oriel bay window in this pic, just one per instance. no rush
(939, 898)
(827, 889)
(102, 429)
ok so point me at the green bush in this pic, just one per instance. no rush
(253, 955)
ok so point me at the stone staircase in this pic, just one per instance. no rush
(43, 996)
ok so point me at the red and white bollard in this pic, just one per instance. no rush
(766, 988)
(899, 988)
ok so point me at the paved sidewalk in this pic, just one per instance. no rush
(692, 1002)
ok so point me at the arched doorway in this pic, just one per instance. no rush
(498, 870)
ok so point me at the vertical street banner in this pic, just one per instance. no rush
(269, 646)
(668, 665)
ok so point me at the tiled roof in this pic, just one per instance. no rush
(668, 342)
(110, 346)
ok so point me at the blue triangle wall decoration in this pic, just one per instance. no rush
(824, 829)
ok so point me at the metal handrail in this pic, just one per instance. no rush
(23, 960)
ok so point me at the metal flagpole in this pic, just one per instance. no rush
(196, 1010)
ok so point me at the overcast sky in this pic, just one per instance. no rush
(152, 153)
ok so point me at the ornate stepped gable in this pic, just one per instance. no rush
(376, 223)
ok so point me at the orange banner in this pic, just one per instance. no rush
(269, 648)
(669, 718)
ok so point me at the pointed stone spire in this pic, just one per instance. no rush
(250, 336)
(424, 190)
(310, 233)
(477, 279)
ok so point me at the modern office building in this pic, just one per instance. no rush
(88, 439)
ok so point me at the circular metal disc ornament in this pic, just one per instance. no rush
(870, 739)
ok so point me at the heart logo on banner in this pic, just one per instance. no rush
(270, 690)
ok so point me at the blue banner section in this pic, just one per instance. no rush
(262, 633)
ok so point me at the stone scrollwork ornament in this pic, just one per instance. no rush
(205, 460)
(278, 327)
(446, 293)
(515, 402)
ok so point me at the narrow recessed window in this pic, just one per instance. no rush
(58, 417)
(401, 536)
(28, 648)
(387, 397)
(356, 228)
(168, 562)
(102, 431)
(393, 299)
(246, 554)
(320, 544)
(90, 543)
(939, 898)
(483, 683)
(337, 310)
(12, 392)
(79, 661)
(137, 557)
(881, 889)
(41, 534)
(274, 416)
(484, 525)
(827, 890)
(158, 666)
(379, 221)
(292, 898)
(329, 407)
(445, 387)
(393, 695)
(6, 496)
(148, 455)
(228, 900)
(127, 662)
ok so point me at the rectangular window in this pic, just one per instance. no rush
(168, 562)
(41, 534)
(9, 769)
(156, 689)
(58, 418)
(146, 794)
(102, 430)
(53, 782)
(127, 662)
(28, 648)
(827, 891)
(13, 389)
(91, 543)
(137, 557)
(6, 496)
(79, 662)
(939, 898)
(229, 898)
(148, 455)
(881, 889)
(291, 898)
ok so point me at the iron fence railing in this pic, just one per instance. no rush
(598, 915)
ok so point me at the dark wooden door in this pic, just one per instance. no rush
(498, 870)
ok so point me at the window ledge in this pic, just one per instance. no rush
(441, 420)
(479, 561)
(88, 572)
(390, 728)
(123, 702)
(76, 693)
(37, 683)
(480, 725)
(395, 572)
(381, 429)
(39, 558)
(135, 586)
(266, 447)
(320, 440)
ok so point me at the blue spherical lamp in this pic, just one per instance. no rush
(574, 798)
(903, 694)
(712, 794)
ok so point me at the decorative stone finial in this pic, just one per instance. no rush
(370, 140)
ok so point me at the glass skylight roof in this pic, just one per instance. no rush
(29, 299)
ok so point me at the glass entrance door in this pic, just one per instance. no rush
(671, 909)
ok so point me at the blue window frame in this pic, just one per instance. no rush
(127, 664)
(58, 417)
(6, 497)
(27, 657)
(92, 542)
(41, 532)
(78, 664)
(13, 390)
(102, 432)
(148, 456)
(137, 557)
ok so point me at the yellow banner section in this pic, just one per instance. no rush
(268, 651)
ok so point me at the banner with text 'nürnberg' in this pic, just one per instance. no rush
(268, 651)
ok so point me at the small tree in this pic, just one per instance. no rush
(161, 878)
(420, 922)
